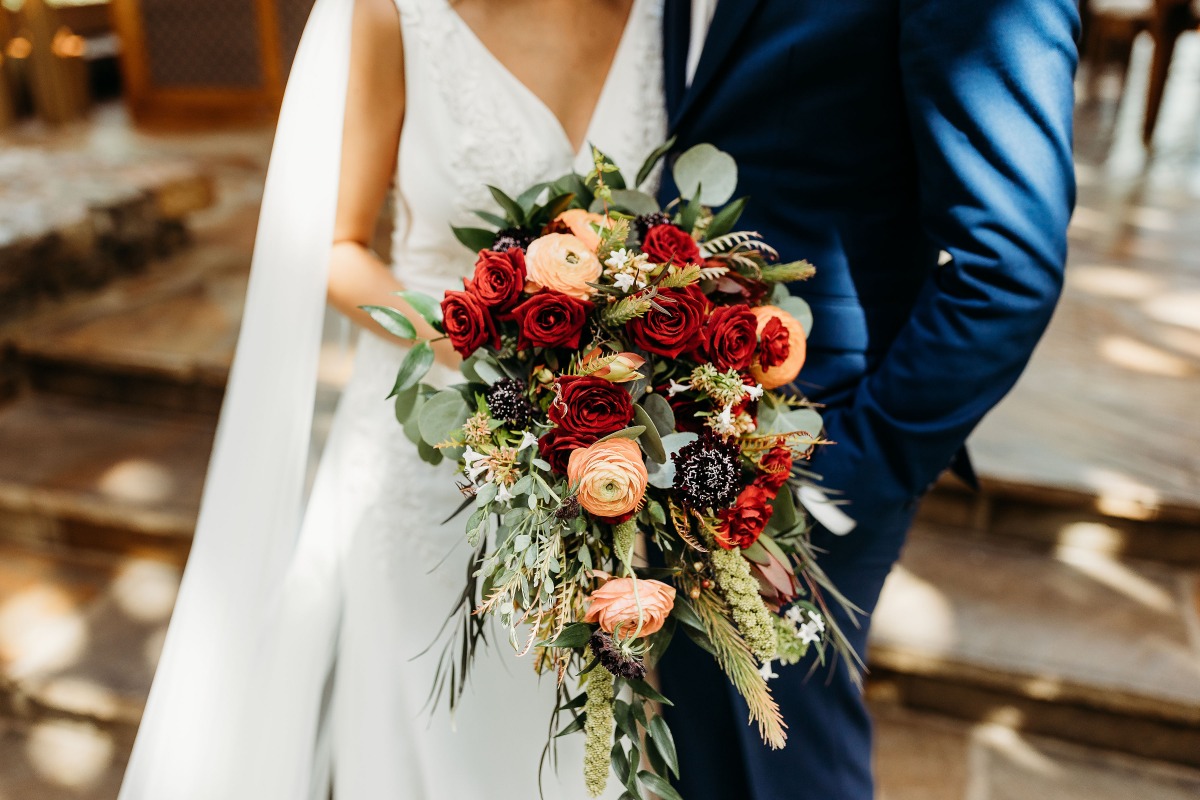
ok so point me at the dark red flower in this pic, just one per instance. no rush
(730, 337)
(776, 468)
(499, 279)
(590, 406)
(670, 244)
(556, 445)
(468, 323)
(741, 525)
(674, 330)
(775, 344)
(733, 288)
(551, 319)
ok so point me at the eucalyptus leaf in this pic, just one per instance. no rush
(779, 294)
(652, 159)
(415, 366)
(412, 427)
(660, 412)
(442, 415)
(706, 166)
(391, 321)
(474, 239)
(488, 372)
(429, 453)
(784, 516)
(632, 432)
(429, 309)
(406, 401)
(799, 309)
(633, 202)
(650, 441)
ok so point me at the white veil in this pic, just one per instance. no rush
(188, 743)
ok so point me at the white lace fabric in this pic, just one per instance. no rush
(317, 628)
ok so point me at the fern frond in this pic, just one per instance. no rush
(713, 273)
(612, 237)
(786, 273)
(627, 309)
(681, 278)
(723, 244)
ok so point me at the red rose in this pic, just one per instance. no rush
(556, 445)
(731, 335)
(774, 345)
(670, 244)
(499, 278)
(468, 323)
(589, 405)
(551, 319)
(741, 525)
(776, 468)
(674, 330)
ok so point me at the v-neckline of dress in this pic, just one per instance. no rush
(623, 45)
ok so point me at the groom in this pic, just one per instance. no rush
(873, 135)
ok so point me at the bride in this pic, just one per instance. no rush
(292, 666)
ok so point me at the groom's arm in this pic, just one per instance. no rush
(989, 97)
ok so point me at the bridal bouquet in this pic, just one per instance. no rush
(630, 449)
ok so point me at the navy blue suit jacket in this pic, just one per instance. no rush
(872, 135)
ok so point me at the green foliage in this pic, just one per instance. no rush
(724, 220)
(786, 273)
(391, 321)
(429, 309)
(705, 174)
(415, 365)
(648, 165)
(474, 239)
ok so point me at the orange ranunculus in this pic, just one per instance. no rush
(615, 606)
(580, 221)
(563, 263)
(789, 358)
(610, 475)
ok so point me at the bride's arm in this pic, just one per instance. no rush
(374, 117)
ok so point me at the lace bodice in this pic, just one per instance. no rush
(470, 123)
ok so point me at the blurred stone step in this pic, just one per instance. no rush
(922, 756)
(162, 339)
(73, 219)
(1076, 644)
(118, 479)
(80, 635)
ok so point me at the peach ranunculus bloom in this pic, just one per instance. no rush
(563, 263)
(615, 606)
(785, 373)
(611, 477)
(580, 222)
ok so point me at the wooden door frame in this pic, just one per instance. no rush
(186, 105)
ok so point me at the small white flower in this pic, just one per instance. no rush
(527, 440)
(794, 615)
(624, 281)
(754, 392)
(766, 671)
(723, 423)
(476, 463)
(504, 495)
(808, 633)
(676, 388)
(820, 623)
(619, 259)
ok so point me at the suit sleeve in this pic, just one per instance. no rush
(989, 98)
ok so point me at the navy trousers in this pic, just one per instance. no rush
(828, 755)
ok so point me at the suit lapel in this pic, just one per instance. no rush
(730, 18)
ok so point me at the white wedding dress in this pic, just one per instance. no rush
(334, 694)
